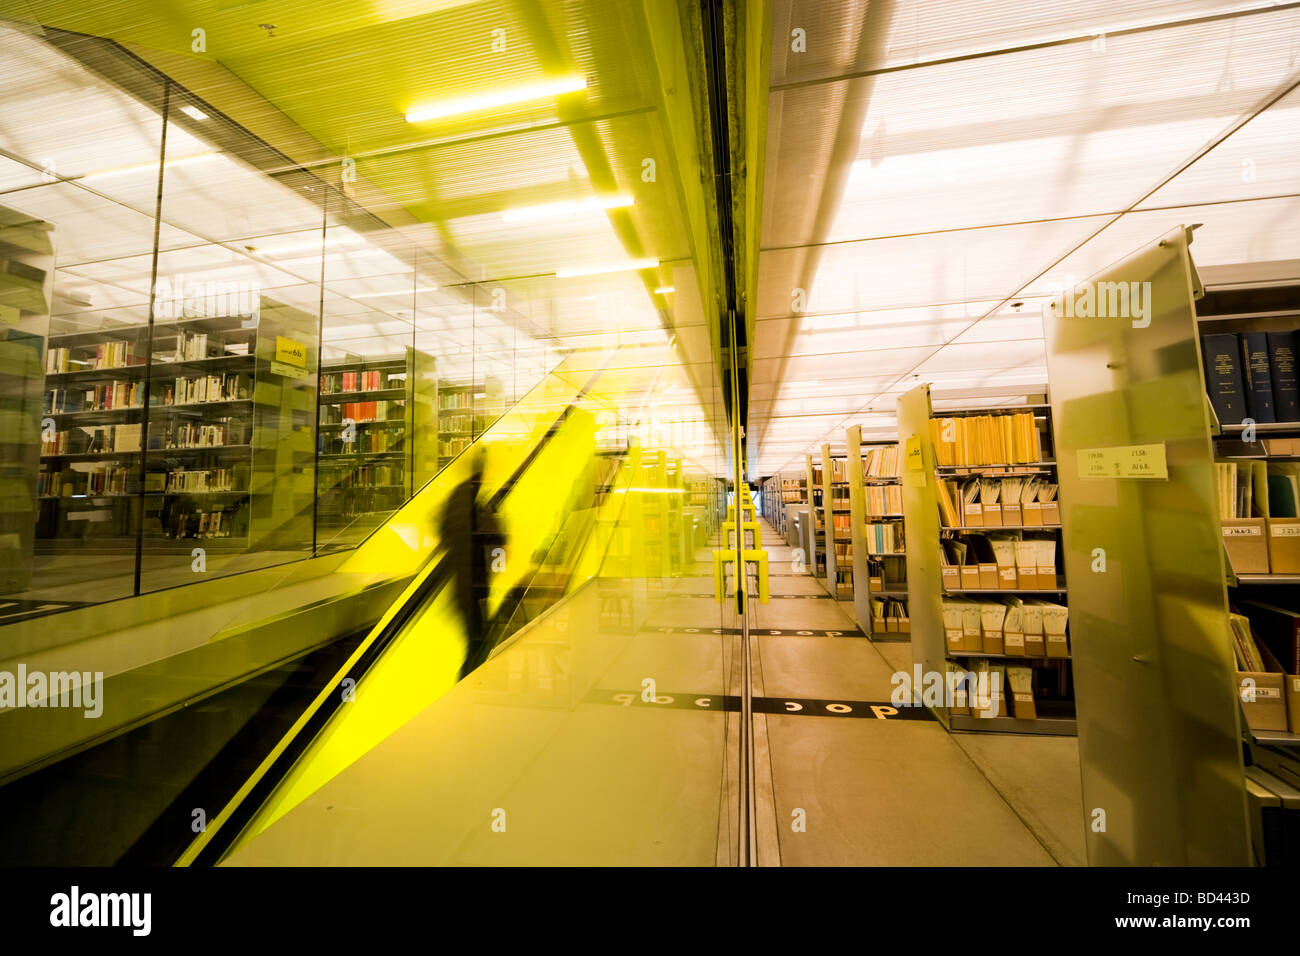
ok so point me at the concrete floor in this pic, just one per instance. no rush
(588, 774)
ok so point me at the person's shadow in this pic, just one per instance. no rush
(470, 537)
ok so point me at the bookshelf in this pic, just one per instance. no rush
(1159, 718)
(225, 418)
(816, 518)
(879, 545)
(26, 270)
(1255, 431)
(836, 524)
(464, 413)
(781, 494)
(986, 590)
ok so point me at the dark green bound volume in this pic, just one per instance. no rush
(1286, 394)
(1223, 381)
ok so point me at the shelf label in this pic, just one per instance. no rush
(1285, 530)
(914, 461)
(1124, 461)
(290, 352)
(1248, 531)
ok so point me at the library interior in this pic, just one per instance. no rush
(652, 433)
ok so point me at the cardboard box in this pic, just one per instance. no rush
(1284, 545)
(992, 616)
(953, 614)
(1022, 706)
(951, 577)
(1055, 619)
(878, 625)
(974, 515)
(960, 702)
(891, 625)
(876, 584)
(997, 690)
(1033, 514)
(970, 627)
(1262, 699)
(1007, 578)
(904, 625)
(1247, 545)
(970, 575)
(1026, 566)
(1011, 516)
(1035, 645)
(1051, 512)
(989, 576)
(992, 516)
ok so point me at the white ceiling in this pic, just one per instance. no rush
(930, 163)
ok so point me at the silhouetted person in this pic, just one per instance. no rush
(469, 535)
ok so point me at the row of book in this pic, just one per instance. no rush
(364, 442)
(990, 690)
(884, 500)
(1012, 438)
(887, 572)
(842, 523)
(997, 502)
(1007, 626)
(880, 462)
(453, 400)
(352, 501)
(1252, 375)
(1265, 641)
(885, 537)
(839, 469)
(1001, 561)
(214, 434)
(100, 398)
(201, 389)
(379, 474)
(211, 523)
(890, 615)
(104, 356)
(456, 423)
(98, 479)
(371, 380)
(1251, 489)
(362, 412)
(840, 496)
(192, 346)
(199, 480)
(452, 447)
(88, 441)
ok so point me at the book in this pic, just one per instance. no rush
(1259, 393)
(1223, 378)
(1282, 364)
(1277, 627)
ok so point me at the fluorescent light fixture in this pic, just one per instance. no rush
(567, 210)
(194, 112)
(310, 245)
(628, 265)
(140, 167)
(664, 290)
(497, 98)
(380, 295)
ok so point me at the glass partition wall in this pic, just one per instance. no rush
(243, 365)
